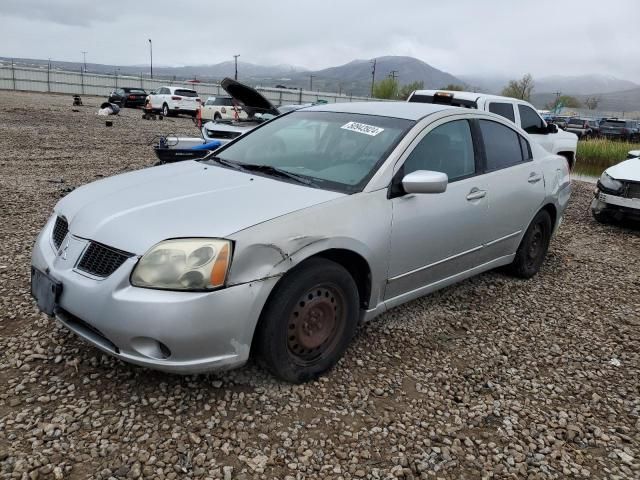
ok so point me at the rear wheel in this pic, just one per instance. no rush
(217, 116)
(309, 321)
(165, 110)
(533, 247)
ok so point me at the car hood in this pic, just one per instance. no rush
(136, 210)
(252, 101)
(627, 170)
(634, 153)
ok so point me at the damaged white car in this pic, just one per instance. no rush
(618, 192)
(294, 233)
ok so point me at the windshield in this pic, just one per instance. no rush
(336, 151)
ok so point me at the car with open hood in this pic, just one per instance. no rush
(255, 110)
(285, 240)
(618, 191)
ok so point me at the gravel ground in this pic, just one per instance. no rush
(494, 377)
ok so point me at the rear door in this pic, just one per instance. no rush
(436, 236)
(515, 186)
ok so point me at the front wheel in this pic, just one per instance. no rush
(165, 110)
(533, 247)
(309, 321)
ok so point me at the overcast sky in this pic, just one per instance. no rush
(507, 37)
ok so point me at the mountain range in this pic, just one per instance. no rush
(355, 78)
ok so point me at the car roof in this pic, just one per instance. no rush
(406, 110)
(470, 96)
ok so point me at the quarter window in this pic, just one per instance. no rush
(502, 145)
(530, 121)
(447, 148)
(503, 109)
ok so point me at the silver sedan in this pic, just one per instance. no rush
(294, 234)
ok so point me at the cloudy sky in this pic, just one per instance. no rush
(504, 37)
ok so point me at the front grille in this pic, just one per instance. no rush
(102, 261)
(222, 134)
(60, 230)
(632, 190)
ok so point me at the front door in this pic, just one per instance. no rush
(436, 236)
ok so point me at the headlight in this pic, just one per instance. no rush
(609, 182)
(184, 264)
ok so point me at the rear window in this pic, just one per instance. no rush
(503, 109)
(186, 93)
(614, 123)
(224, 101)
(576, 121)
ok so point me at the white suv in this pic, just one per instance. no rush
(222, 108)
(174, 100)
(519, 112)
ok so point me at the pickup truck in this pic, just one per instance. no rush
(174, 100)
(519, 112)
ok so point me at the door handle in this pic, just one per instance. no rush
(534, 177)
(476, 194)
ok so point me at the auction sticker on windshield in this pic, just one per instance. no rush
(363, 128)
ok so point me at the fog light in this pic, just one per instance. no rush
(150, 347)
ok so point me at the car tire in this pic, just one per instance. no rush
(217, 117)
(601, 217)
(309, 321)
(165, 110)
(533, 247)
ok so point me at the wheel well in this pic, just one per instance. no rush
(357, 267)
(553, 213)
(570, 156)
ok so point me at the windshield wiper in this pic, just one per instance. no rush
(226, 163)
(270, 170)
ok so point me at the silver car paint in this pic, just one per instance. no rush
(274, 226)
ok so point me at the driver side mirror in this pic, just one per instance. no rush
(425, 181)
(551, 128)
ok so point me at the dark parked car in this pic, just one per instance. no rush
(583, 127)
(620, 129)
(128, 97)
(561, 122)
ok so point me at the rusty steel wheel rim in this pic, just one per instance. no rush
(315, 322)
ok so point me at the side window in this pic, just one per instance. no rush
(447, 148)
(530, 121)
(501, 144)
(503, 109)
(526, 149)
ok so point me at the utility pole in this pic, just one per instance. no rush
(311, 82)
(151, 56)
(373, 75)
(393, 74)
(84, 60)
(555, 105)
(235, 58)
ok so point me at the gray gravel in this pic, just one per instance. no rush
(492, 378)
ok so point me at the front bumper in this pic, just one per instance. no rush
(180, 332)
(616, 206)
